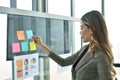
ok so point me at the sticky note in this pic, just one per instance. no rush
(32, 46)
(24, 46)
(15, 47)
(20, 35)
(29, 34)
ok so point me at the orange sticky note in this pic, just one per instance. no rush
(20, 35)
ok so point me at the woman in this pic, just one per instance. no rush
(93, 61)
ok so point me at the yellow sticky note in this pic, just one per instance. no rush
(32, 46)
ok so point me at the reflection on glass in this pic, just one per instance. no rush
(57, 35)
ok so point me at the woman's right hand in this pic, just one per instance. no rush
(37, 40)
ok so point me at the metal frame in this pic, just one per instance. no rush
(6, 10)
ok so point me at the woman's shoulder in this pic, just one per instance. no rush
(98, 51)
(100, 54)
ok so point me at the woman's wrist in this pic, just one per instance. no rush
(44, 48)
(41, 45)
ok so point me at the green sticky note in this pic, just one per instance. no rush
(24, 46)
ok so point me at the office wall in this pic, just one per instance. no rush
(58, 72)
(112, 16)
(5, 66)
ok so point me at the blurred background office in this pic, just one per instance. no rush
(49, 70)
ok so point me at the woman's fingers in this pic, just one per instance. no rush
(36, 39)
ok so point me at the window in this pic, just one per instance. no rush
(24, 4)
(5, 3)
(82, 7)
(59, 7)
(112, 16)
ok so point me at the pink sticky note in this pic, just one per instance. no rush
(15, 47)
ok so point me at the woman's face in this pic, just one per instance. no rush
(85, 32)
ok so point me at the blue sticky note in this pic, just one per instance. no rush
(24, 46)
(29, 34)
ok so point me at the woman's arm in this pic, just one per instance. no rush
(61, 61)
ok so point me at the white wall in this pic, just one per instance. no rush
(5, 66)
(112, 16)
(58, 72)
